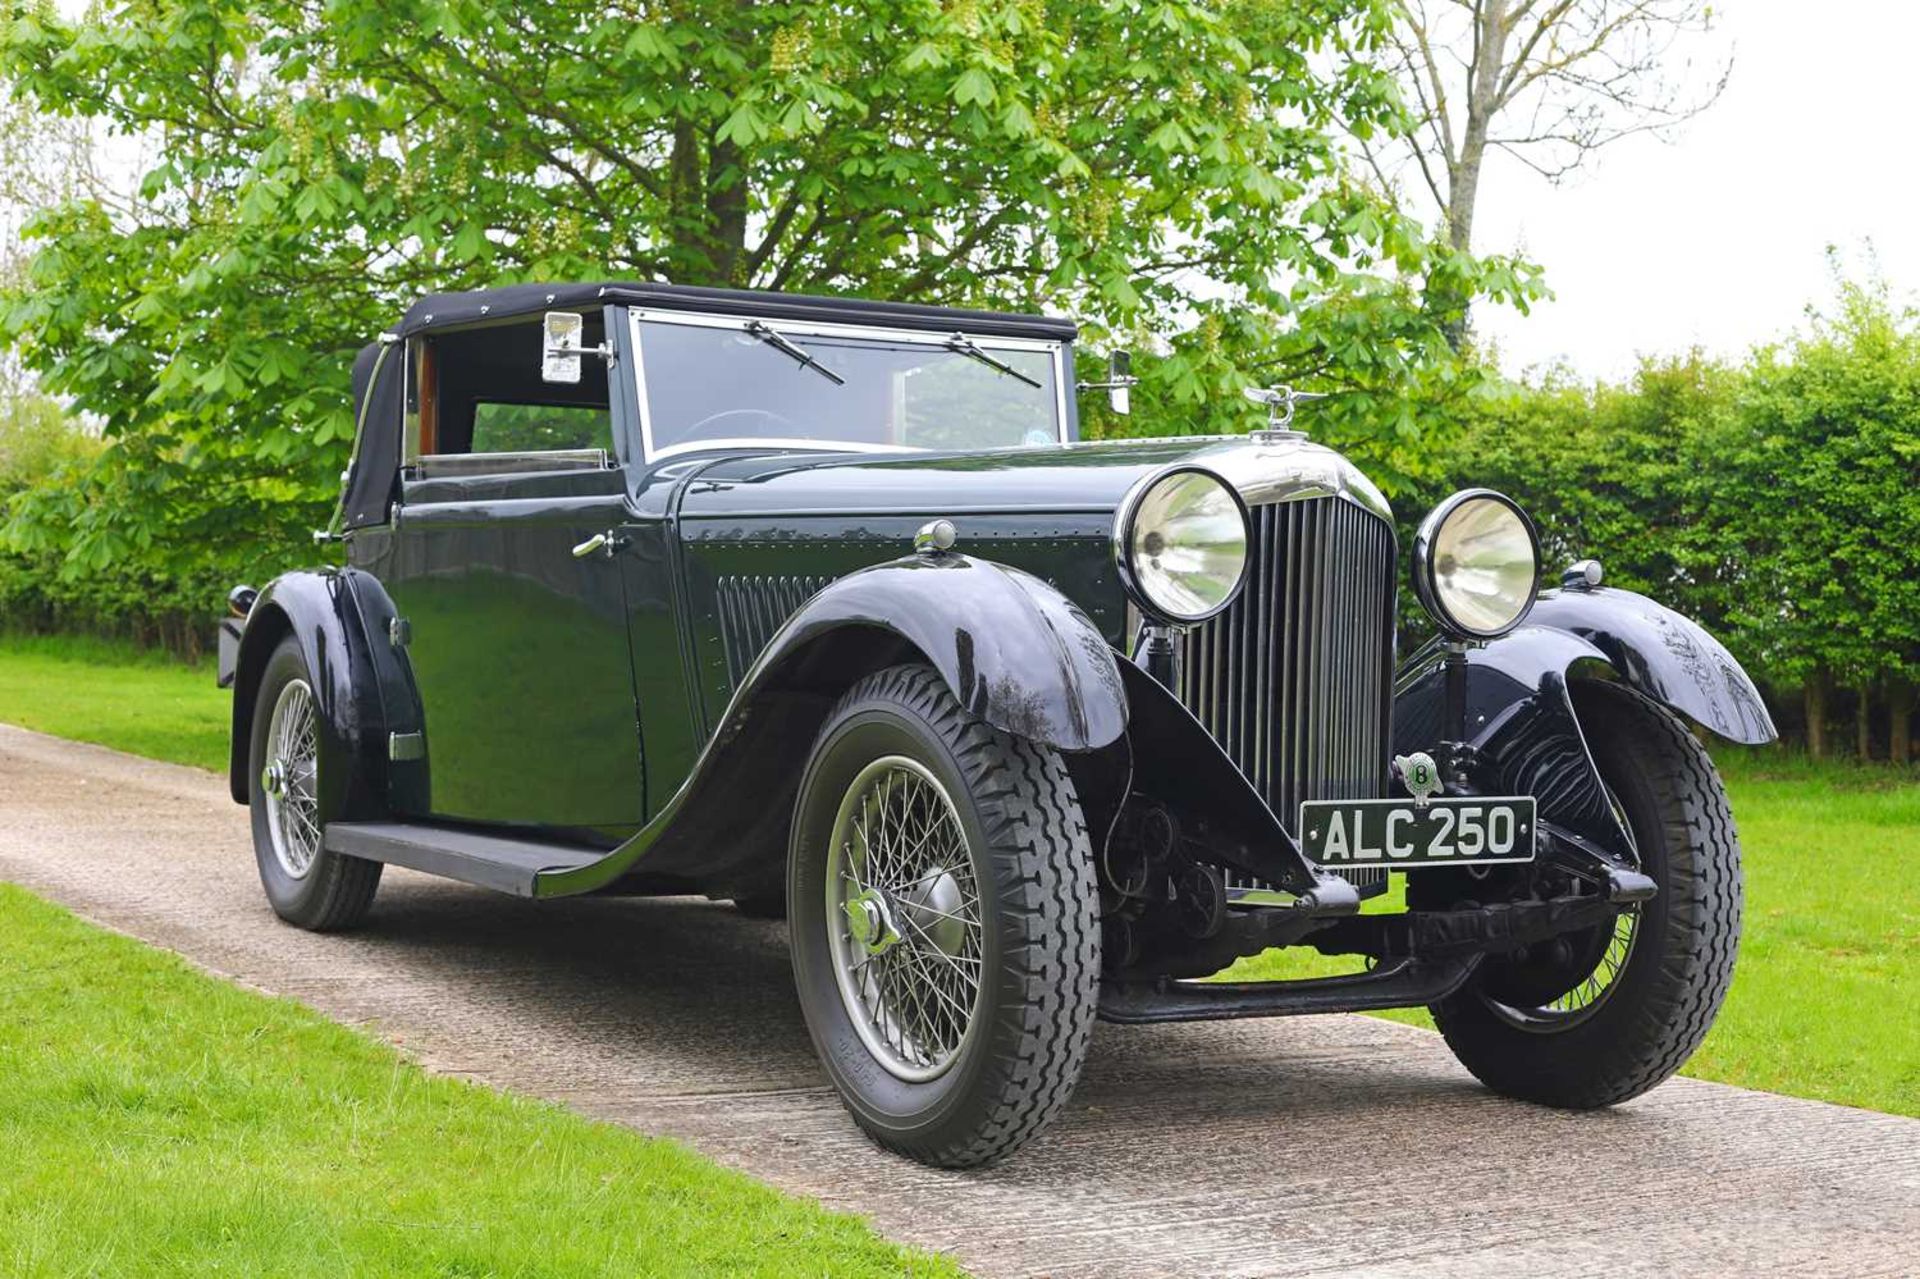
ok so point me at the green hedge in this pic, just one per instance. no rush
(158, 579)
(1776, 500)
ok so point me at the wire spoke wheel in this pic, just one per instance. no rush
(1584, 996)
(307, 884)
(1590, 967)
(290, 780)
(904, 918)
(1592, 1018)
(944, 921)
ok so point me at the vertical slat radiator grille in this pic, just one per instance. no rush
(1295, 681)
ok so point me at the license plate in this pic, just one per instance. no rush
(1397, 833)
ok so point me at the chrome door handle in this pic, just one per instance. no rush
(608, 543)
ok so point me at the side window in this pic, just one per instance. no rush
(477, 405)
(500, 427)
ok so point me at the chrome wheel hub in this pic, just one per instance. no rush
(904, 919)
(290, 780)
(936, 907)
(870, 922)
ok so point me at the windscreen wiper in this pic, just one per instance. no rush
(780, 342)
(965, 345)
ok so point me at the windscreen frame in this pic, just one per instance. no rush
(799, 330)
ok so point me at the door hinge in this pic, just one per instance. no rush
(406, 746)
(399, 632)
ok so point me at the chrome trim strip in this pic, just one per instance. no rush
(1288, 470)
(777, 444)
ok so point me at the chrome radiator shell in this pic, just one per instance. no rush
(1295, 680)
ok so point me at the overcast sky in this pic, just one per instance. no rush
(1719, 238)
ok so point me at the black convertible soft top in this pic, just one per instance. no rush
(447, 310)
(378, 381)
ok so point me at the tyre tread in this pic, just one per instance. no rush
(1670, 1019)
(1036, 831)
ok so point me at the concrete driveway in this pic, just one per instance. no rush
(1314, 1146)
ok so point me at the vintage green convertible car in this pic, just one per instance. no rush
(822, 606)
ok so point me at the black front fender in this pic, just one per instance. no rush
(1669, 658)
(1521, 723)
(1015, 652)
(1521, 727)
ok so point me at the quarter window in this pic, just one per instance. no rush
(477, 405)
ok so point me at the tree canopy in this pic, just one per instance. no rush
(1169, 173)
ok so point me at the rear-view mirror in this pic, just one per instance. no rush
(1120, 382)
(563, 334)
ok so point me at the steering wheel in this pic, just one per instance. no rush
(741, 423)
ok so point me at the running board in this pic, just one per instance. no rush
(499, 862)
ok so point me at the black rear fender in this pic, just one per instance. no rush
(359, 686)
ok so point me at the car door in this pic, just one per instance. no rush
(513, 617)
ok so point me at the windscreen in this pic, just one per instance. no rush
(710, 383)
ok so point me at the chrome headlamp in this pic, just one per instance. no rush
(1476, 564)
(1181, 544)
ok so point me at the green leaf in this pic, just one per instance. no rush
(925, 56)
(469, 242)
(743, 127)
(973, 88)
(650, 43)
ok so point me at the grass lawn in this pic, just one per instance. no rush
(156, 1121)
(1826, 1001)
(94, 691)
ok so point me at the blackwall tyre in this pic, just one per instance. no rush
(304, 883)
(1644, 992)
(942, 918)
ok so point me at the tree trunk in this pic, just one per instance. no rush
(1863, 724)
(1816, 702)
(708, 198)
(1462, 191)
(727, 192)
(1463, 170)
(686, 209)
(1899, 720)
